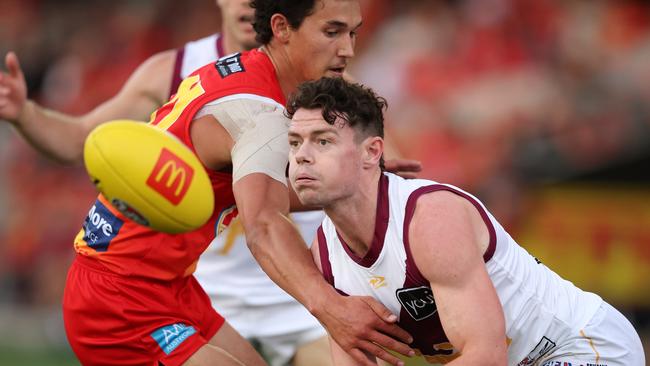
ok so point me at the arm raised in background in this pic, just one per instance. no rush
(62, 136)
(467, 303)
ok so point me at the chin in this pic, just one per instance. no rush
(308, 199)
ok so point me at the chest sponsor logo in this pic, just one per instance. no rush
(171, 336)
(229, 65)
(171, 177)
(377, 282)
(542, 348)
(100, 227)
(418, 302)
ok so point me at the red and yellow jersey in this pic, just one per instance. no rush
(128, 248)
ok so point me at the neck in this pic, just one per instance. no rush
(229, 44)
(354, 217)
(285, 71)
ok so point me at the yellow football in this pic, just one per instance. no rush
(149, 175)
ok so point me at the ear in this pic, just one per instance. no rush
(281, 28)
(373, 149)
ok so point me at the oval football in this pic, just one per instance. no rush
(149, 175)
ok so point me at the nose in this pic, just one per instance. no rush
(346, 47)
(302, 154)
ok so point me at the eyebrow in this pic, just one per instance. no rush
(340, 24)
(316, 132)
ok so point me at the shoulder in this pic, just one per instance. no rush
(446, 230)
(155, 73)
(248, 73)
(161, 62)
(152, 77)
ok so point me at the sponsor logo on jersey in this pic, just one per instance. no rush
(230, 64)
(418, 302)
(171, 177)
(377, 282)
(128, 211)
(225, 218)
(544, 346)
(100, 227)
(171, 336)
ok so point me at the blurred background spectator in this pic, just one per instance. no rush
(541, 107)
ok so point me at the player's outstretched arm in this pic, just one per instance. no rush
(467, 303)
(357, 324)
(61, 136)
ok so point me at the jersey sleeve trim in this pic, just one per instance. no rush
(410, 211)
(176, 77)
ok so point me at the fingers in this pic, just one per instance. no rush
(403, 167)
(13, 65)
(406, 175)
(391, 329)
(382, 354)
(386, 342)
(380, 309)
(361, 358)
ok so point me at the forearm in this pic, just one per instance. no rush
(54, 134)
(280, 250)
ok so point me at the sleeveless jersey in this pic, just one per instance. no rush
(541, 309)
(194, 55)
(133, 250)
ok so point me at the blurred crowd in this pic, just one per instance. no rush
(495, 96)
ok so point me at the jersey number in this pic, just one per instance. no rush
(188, 91)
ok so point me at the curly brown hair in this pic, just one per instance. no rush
(356, 104)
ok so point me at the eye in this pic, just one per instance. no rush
(323, 142)
(331, 33)
(353, 34)
(294, 143)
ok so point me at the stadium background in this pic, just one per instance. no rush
(540, 107)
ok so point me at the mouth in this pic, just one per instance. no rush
(338, 70)
(304, 179)
(246, 19)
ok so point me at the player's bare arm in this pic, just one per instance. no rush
(62, 136)
(448, 238)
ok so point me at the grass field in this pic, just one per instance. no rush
(42, 357)
(57, 357)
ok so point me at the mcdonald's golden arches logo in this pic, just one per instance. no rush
(171, 177)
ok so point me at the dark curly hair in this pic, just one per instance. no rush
(294, 10)
(359, 106)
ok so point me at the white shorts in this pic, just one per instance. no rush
(276, 331)
(609, 339)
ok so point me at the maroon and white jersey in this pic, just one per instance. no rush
(541, 309)
(193, 55)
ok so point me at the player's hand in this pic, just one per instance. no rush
(405, 168)
(13, 89)
(361, 325)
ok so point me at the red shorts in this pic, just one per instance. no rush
(116, 320)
